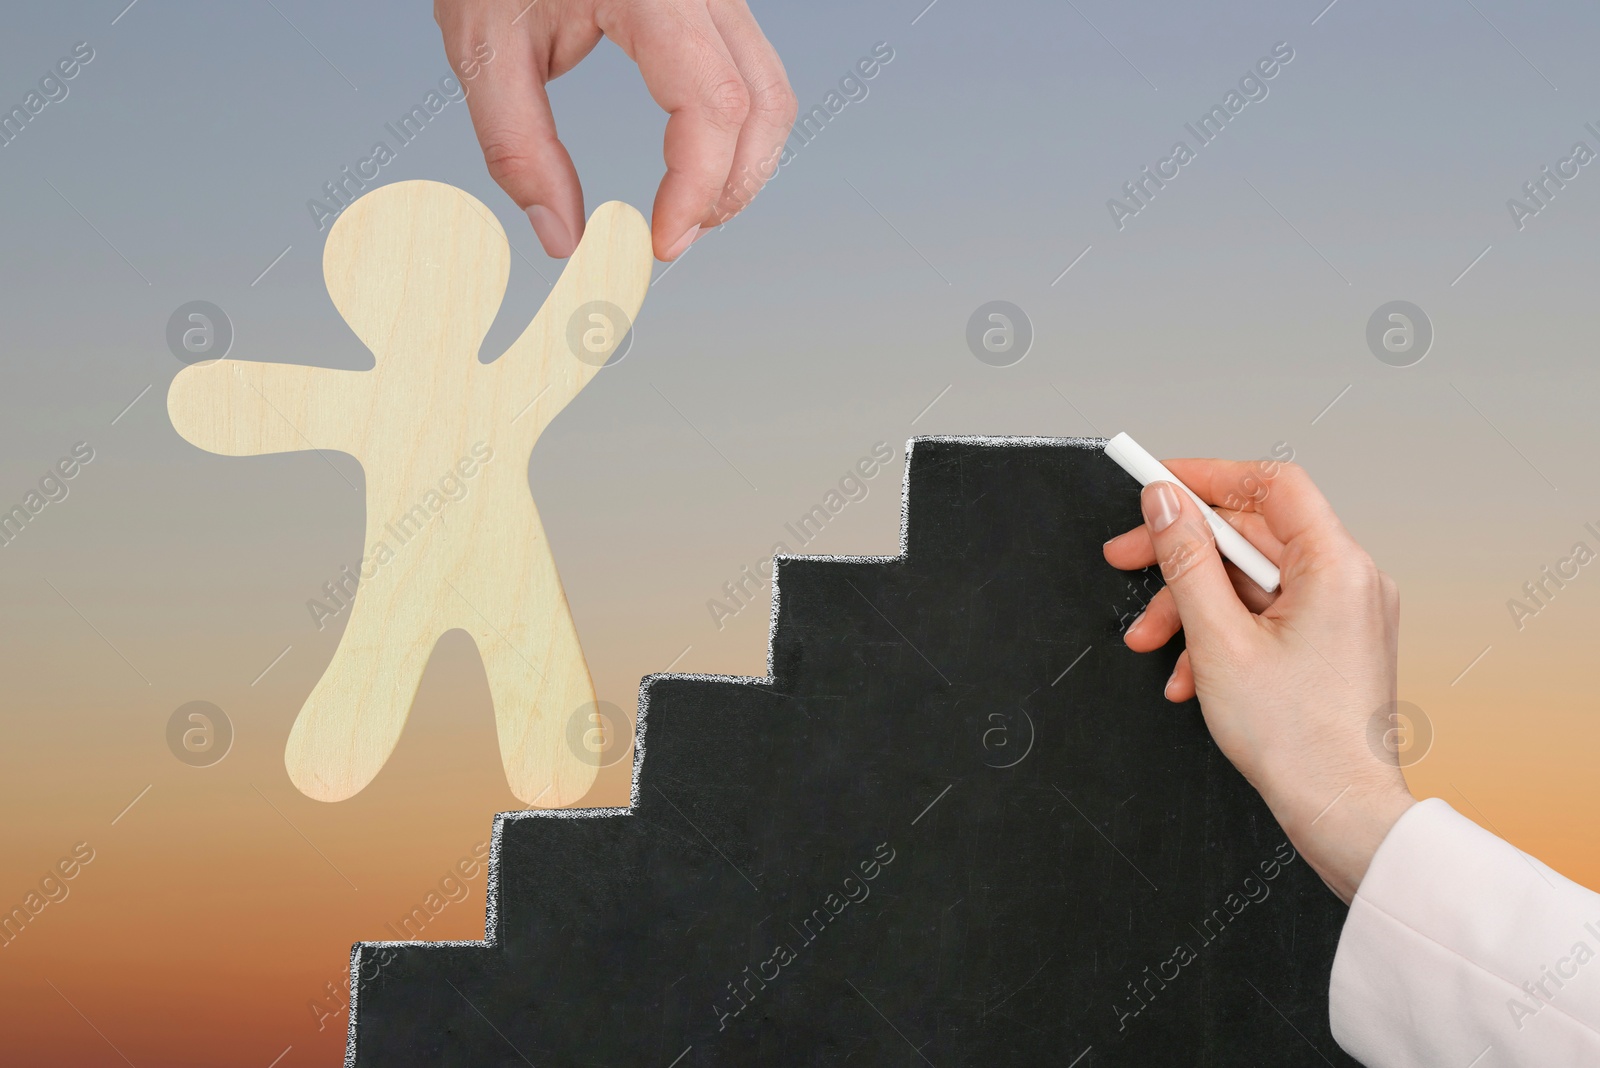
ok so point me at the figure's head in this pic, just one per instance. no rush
(417, 267)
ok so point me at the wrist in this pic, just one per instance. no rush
(1339, 832)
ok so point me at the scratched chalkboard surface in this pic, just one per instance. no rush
(958, 826)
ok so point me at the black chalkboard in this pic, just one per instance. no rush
(958, 826)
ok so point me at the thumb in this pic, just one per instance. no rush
(1186, 552)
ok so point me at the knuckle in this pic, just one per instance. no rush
(1354, 571)
(508, 155)
(1226, 653)
(1183, 550)
(726, 100)
(1290, 473)
(777, 102)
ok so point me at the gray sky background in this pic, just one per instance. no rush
(1222, 319)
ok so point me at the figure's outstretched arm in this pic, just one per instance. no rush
(238, 408)
(587, 314)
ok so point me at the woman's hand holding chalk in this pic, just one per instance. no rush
(1132, 458)
(1290, 683)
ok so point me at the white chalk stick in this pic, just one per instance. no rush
(1132, 458)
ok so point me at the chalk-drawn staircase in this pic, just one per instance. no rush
(957, 825)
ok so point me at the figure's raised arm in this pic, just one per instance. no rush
(589, 311)
(238, 408)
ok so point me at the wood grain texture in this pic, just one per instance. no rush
(453, 537)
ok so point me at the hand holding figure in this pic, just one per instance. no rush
(706, 62)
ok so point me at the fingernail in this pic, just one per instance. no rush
(1161, 507)
(1136, 620)
(683, 242)
(1172, 678)
(553, 234)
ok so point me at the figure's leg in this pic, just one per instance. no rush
(354, 716)
(516, 611)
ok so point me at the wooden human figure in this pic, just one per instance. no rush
(453, 539)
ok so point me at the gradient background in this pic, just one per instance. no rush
(825, 319)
